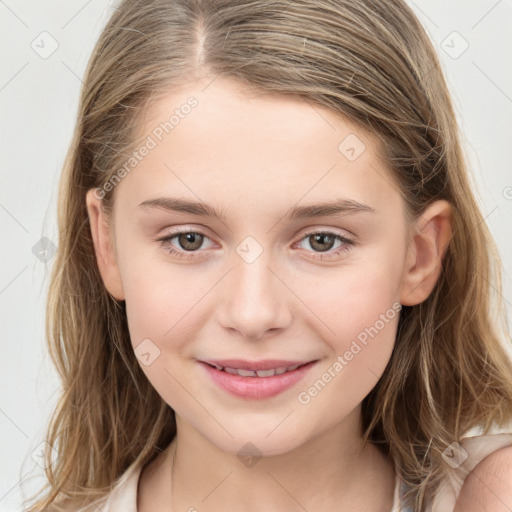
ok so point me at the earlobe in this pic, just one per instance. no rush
(104, 246)
(429, 242)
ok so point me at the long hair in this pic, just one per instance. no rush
(367, 60)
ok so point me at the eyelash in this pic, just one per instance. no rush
(347, 244)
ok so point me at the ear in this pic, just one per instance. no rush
(103, 238)
(431, 234)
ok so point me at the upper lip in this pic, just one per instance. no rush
(266, 364)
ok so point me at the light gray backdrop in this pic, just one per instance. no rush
(45, 47)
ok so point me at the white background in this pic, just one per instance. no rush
(38, 101)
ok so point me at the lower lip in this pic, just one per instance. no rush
(257, 388)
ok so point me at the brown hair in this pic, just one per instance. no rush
(367, 60)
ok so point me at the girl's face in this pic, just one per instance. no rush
(253, 282)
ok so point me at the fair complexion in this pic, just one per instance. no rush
(488, 488)
(255, 159)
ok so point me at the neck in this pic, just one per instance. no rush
(332, 471)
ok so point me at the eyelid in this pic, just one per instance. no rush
(319, 228)
(172, 231)
(332, 231)
(307, 231)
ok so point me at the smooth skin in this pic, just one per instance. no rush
(488, 488)
(254, 158)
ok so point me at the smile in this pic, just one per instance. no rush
(255, 383)
(257, 373)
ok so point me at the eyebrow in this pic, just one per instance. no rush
(340, 207)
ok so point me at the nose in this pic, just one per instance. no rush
(254, 300)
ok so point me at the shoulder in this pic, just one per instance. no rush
(488, 488)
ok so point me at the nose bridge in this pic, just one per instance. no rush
(256, 301)
(253, 280)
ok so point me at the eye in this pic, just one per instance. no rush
(322, 242)
(188, 243)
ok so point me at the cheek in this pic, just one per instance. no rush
(365, 333)
(163, 300)
(370, 302)
(349, 375)
(353, 297)
(360, 318)
(163, 303)
(160, 292)
(357, 311)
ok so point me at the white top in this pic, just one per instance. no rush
(474, 447)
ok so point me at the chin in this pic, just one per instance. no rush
(258, 444)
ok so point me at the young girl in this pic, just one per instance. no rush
(213, 354)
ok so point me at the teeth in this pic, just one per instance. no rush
(246, 373)
(266, 373)
(257, 373)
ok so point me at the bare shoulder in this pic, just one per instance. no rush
(488, 488)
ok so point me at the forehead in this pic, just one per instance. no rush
(221, 139)
(225, 109)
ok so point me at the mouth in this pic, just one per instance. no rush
(242, 370)
(256, 380)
